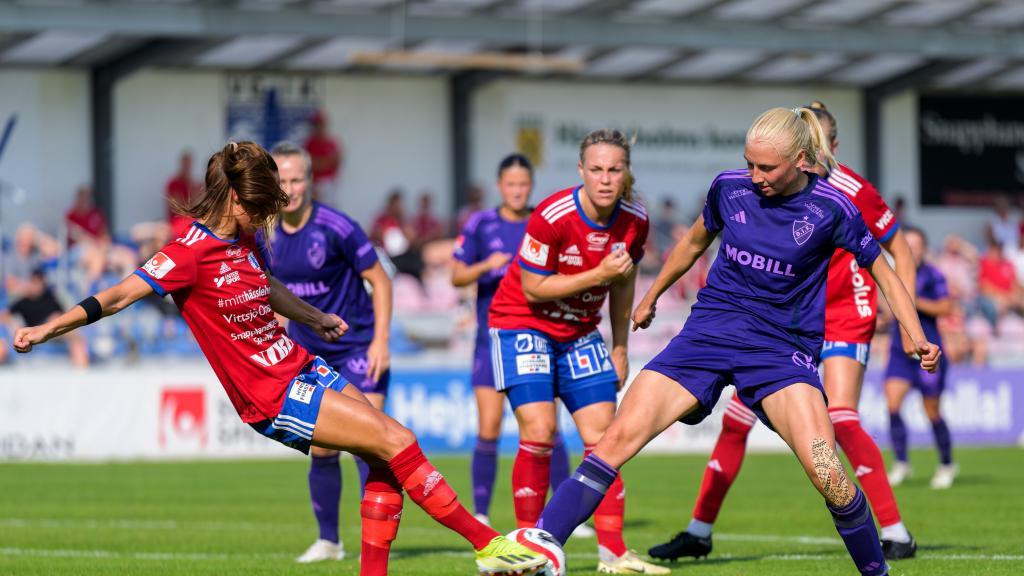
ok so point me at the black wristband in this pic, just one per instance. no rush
(93, 310)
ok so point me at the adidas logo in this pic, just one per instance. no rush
(862, 470)
(525, 492)
(714, 465)
(740, 217)
(224, 268)
(572, 250)
(431, 482)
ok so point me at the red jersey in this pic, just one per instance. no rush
(851, 297)
(223, 293)
(560, 239)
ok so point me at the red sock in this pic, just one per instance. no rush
(531, 477)
(725, 462)
(430, 491)
(381, 512)
(609, 514)
(866, 459)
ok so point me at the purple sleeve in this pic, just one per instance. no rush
(712, 217)
(465, 245)
(357, 248)
(265, 255)
(936, 288)
(852, 235)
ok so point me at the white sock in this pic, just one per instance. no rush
(897, 533)
(701, 529)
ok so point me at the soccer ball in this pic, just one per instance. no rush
(542, 541)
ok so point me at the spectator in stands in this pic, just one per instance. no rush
(180, 190)
(426, 227)
(327, 155)
(1016, 256)
(391, 232)
(663, 228)
(84, 221)
(474, 204)
(32, 250)
(958, 262)
(37, 305)
(999, 290)
(1004, 226)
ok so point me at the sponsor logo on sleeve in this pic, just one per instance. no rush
(866, 240)
(534, 251)
(884, 220)
(159, 265)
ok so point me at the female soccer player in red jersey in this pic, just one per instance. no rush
(850, 304)
(757, 324)
(225, 295)
(580, 247)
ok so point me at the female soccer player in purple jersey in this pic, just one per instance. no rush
(324, 257)
(482, 253)
(229, 302)
(758, 324)
(933, 301)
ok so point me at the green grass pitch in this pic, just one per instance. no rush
(253, 518)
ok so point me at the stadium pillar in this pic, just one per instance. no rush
(103, 79)
(461, 88)
(873, 98)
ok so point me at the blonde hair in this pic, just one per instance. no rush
(613, 138)
(791, 130)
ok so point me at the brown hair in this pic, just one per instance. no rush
(791, 130)
(614, 138)
(249, 171)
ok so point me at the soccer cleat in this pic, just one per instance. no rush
(322, 550)
(894, 550)
(630, 563)
(899, 472)
(503, 556)
(583, 531)
(944, 476)
(682, 544)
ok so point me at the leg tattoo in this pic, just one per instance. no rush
(834, 483)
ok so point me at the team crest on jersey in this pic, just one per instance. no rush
(495, 244)
(316, 252)
(802, 230)
(254, 262)
(618, 246)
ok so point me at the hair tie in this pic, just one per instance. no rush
(796, 111)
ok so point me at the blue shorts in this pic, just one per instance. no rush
(854, 350)
(530, 366)
(353, 365)
(704, 364)
(294, 426)
(929, 385)
(483, 368)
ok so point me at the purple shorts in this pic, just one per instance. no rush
(705, 364)
(352, 365)
(930, 385)
(483, 367)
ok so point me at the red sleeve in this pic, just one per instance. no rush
(636, 250)
(881, 220)
(170, 269)
(539, 250)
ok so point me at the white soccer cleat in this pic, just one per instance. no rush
(899, 472)
(322, 550)
(583, 531)
(944, 476)
(630, 563)
(483, 519)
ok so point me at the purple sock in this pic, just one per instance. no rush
(942, 441)
(325, 493)
(577, 498)
(898, 433)
(857, 528)
(559, 462)
(483, 469)
(364, 471)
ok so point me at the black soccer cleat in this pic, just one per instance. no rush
(682, 545)
(894, 550)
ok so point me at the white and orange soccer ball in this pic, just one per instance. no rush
(542, 541)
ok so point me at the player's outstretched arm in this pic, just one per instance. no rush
(906, 314)
(680, 260)
(906, 271)
(330, 327)
(110, 301)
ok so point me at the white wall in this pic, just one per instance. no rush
(679, 170)
(49, 154)
(395, 132)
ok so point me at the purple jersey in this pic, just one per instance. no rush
(775, 251)
(485, 233)
(931, 284)
(322, 263)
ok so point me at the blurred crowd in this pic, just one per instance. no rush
(45, 271)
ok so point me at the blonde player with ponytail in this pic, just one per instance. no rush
(758, 325)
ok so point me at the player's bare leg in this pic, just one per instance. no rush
(799, 415)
